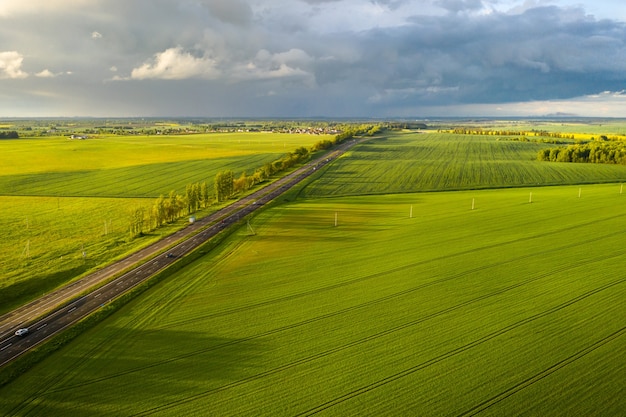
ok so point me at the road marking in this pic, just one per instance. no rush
(4, 347)
(97, 295)
(72, 309)
(42, 326)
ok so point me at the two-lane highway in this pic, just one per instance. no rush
(56, 311)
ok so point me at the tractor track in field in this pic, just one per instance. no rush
(411, 370)
(543, 374)
(317, 319)
(361, 341)
(388, 379)
(401, 268)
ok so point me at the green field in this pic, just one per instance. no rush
(47, 241)
(369, 291)
(55, 196)
(431, 162)
(513, 308)
(594, 127)
(134, 166)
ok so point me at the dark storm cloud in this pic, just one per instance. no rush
(320, 1)
(457, 6)
(306, 57)
(543, 53)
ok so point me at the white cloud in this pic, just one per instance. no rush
(252, 72)
(176, 64)
(604, 104)
(19, 7)
(96, 35)
(11, 65)
(46, 74)
(289, 65)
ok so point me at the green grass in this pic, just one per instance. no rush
(512, 307)
(53, 193)
(43, 239)
(137, 166)
(594, 127)
(414, 162)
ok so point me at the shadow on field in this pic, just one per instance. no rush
(134, 371)
(18, 293)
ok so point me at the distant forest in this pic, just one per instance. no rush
(598, 152)
(12, 134)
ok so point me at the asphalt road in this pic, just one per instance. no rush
(58, 310)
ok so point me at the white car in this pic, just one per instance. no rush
(21, 332)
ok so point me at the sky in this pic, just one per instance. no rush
(312, 58)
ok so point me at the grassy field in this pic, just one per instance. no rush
(592, 127)
(513, 308)
(431, 162)
(133, 166)
(55, 196)
(417, 303)
(47, 241)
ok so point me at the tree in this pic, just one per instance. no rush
(204, 194)
(172, 208)
(160, 212)
(240, 184)
(11, 134)
(224, 187)
(136, 221)
(192, 196)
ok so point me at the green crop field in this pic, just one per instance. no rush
(368, 294)
(595, 127)
(135, 166)
(55, 194)
(47, 241)
(415, 162)
(413, 304)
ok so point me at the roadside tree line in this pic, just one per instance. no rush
(167, 209)
(225, 185)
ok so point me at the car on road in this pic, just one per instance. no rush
(21, 332)
(170, 255)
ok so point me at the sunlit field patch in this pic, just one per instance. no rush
(56, 215)
(47, 241)
(436, 161)
(134, 166)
